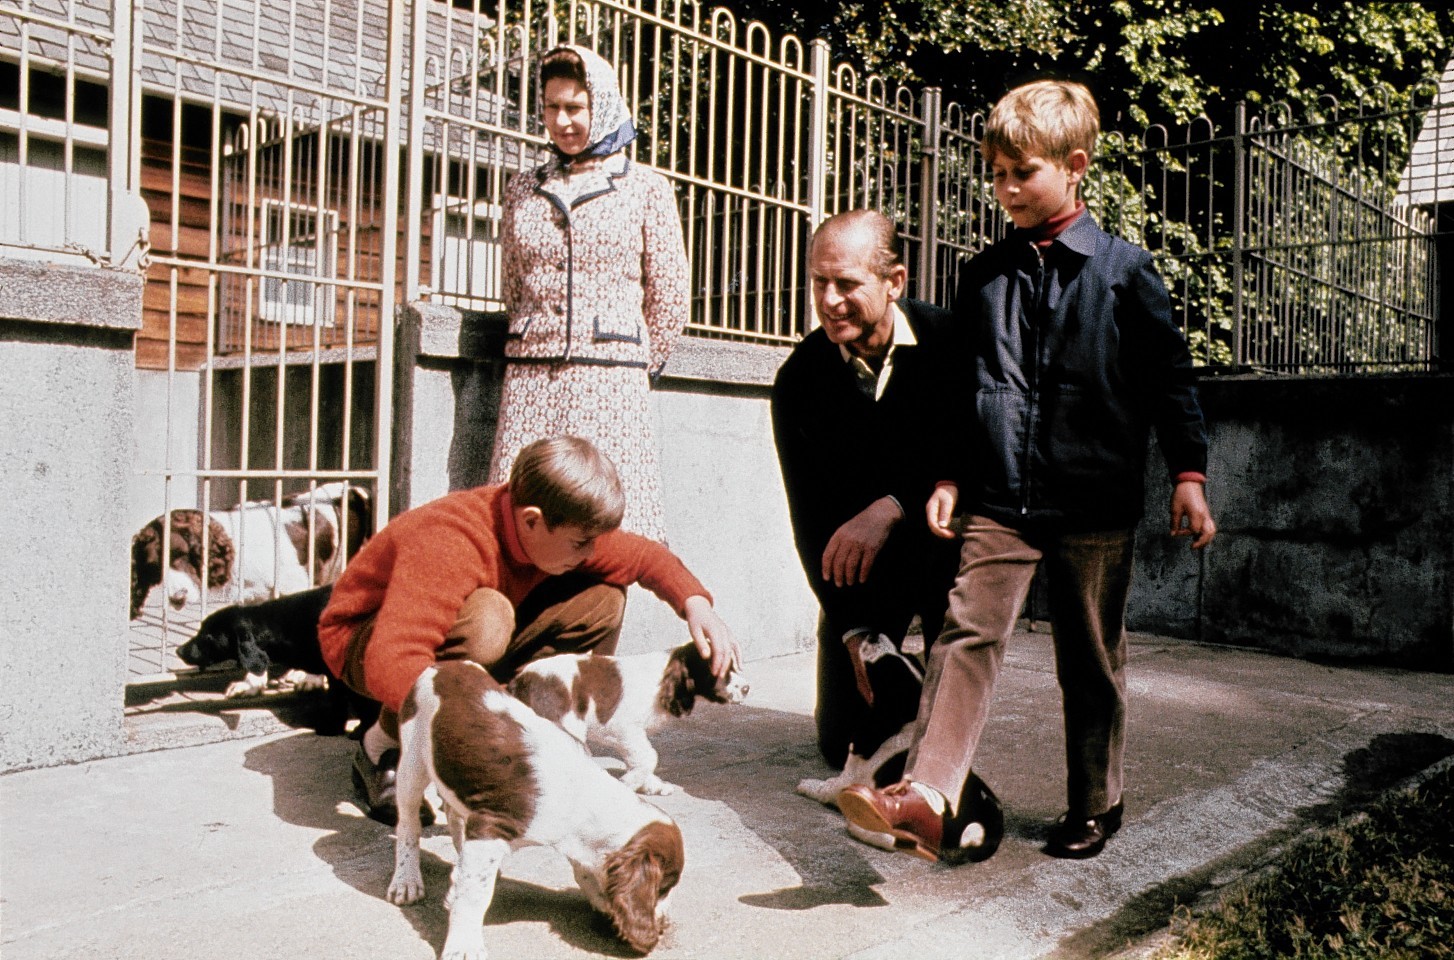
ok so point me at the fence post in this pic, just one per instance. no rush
(389, 224)
(414, 172)
(929, 197)
(128, 217)
(1239, 239)
(817, 153)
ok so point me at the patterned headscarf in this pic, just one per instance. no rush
(611, 126)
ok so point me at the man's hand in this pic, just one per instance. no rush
(860, 672)
(712, 636)
(1190, 515)
(940, 510)
(854, 546)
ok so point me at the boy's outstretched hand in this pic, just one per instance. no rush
(712, 636)
(940, 510)
(1190, 515)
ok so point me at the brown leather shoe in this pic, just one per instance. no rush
(1079, 838)
(374, 784)
(899, 811)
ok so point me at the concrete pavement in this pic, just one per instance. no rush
(249, 848)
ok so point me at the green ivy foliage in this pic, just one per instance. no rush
(1148, 61)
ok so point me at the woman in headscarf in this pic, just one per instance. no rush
(595, 284)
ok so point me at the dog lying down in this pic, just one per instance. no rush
(615, 701)
(880, 750)
(510, 778)
(277, 638)
(881, 743)
(882, 740)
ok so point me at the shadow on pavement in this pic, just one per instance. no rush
(312, 788)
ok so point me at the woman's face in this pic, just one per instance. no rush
(567, 115)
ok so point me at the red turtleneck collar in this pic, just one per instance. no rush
(1045, 234)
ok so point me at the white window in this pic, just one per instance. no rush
(301, 242)
(467, 264)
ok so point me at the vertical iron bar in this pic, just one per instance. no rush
(929, 195)
(1239, 240)
(123, 160)
(817, 156)
(389, 250)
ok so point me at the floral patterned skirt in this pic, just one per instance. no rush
(609, 406)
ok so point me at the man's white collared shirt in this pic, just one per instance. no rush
(903, 336)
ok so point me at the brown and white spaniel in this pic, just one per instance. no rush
(617, 701)
(251, 552)
(509, 778)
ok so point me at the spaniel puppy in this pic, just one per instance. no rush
(188, 561)
(253, 551)
(272, 637)
(509, 778)
(617, 701)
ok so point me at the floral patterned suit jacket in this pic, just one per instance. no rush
(594, 269)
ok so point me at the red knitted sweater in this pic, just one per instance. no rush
(416, 573)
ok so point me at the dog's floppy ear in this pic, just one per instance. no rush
(358, 519)
(676, 693)
(146, 563)
(220, 554)
(637, 877)
(250, 654)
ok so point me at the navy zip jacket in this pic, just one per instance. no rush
(1077, 358)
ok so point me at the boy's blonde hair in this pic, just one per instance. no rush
(570, 482)
(1046, 118)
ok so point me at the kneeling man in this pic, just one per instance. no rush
(852, 409)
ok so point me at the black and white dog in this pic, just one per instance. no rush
(273, 638)
(881, 742)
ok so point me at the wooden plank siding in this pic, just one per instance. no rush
(184, 185)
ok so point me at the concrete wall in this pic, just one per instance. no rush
(1335, 502)
(725, 508)
(67, 408)
(1335, 499)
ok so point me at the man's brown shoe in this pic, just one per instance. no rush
(899, 811)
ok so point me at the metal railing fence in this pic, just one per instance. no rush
(1288, 246)
(1278, 256)
(65, 196)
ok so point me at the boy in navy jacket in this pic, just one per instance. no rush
(1076, 358)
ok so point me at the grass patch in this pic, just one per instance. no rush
(1380, 885)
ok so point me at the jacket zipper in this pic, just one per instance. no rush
(1033, 375)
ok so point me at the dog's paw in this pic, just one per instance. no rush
(249, 686)
(464, 941)
(305, 681)
(464, 950)
(653, 786)
(824, 791)
(406, 887)
(884, 841)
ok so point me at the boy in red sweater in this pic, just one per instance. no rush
(501, 575)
